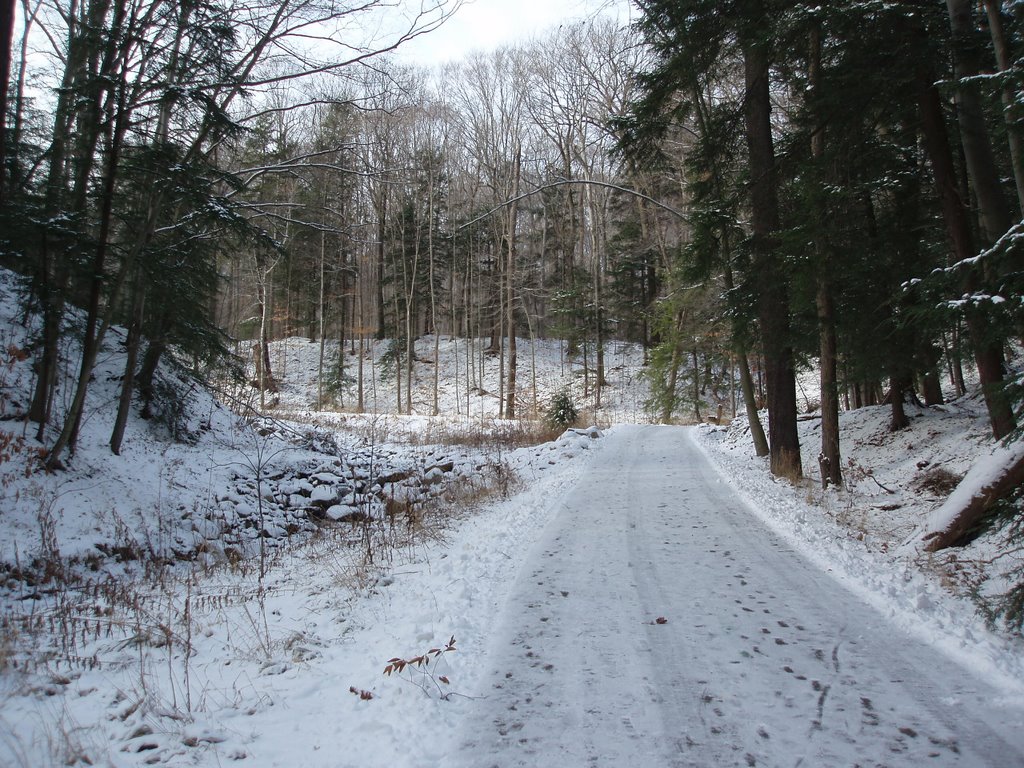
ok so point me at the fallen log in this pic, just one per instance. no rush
(992, 477)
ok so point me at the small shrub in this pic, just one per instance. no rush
(939, 482)
(418, 670)
(169, 406)
(562, 412)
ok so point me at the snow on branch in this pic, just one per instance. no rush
(1013, 237)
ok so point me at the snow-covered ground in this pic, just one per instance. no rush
(468, 380)
(285, 670)
(657, 622)
(239, 596)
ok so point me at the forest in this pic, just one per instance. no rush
(744, 188)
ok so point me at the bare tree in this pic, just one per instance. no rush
(490, 99)
(158, 74)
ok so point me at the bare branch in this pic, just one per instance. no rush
(567, 182)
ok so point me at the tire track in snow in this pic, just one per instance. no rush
(762, 659)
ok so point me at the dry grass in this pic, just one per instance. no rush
(938, 481)
(424, 431)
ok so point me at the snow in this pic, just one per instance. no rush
(238, 596)
(656, 623)
(985, 472)
(887, 578)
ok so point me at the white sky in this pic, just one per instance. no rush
(487, 24)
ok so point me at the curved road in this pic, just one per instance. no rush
(760, 658)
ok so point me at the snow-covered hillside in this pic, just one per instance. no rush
(468, 379)
(147, 597)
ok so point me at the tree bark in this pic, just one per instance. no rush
(897, 387)
(988, 351)
(773, 297)
(261, 354)
(981, 163)
(757, 434)
(382, 213)
(92, 339)
(321, 326)
(433, 295)
(958, 365)
(52, 274)
(995, 213)
(147, 372)
(829, 460)
(510, 301)
(1013, 135)
(696, 383)
(931, 389)
(132, 354)
(750, 406)
(746, 380)
(669, 404)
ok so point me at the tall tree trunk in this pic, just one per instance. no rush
(597, 248)
(6, 48)
(1013, 134)
(669, 401)
(396, 348)
(264, 373)
(696, 383)
(360, 393)
(92, 338)
(931, 387)
(988, 351)
(981, 163)
(410, 311)
(155, 349)
(132, 349)
(322, 328)
(757, 434)
(829, 460)
(433, 293)
(958, 360)
(994, 212)
(773, 298)
(52, 274)
(111, 64)
(510, 301)
(750, 406)
(382, 213)
(898, 385)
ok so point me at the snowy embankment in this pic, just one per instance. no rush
(287, 669)
(168, 604)
(855, 534)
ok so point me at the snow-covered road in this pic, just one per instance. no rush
(657, 622)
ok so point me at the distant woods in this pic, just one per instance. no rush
(744, 188)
